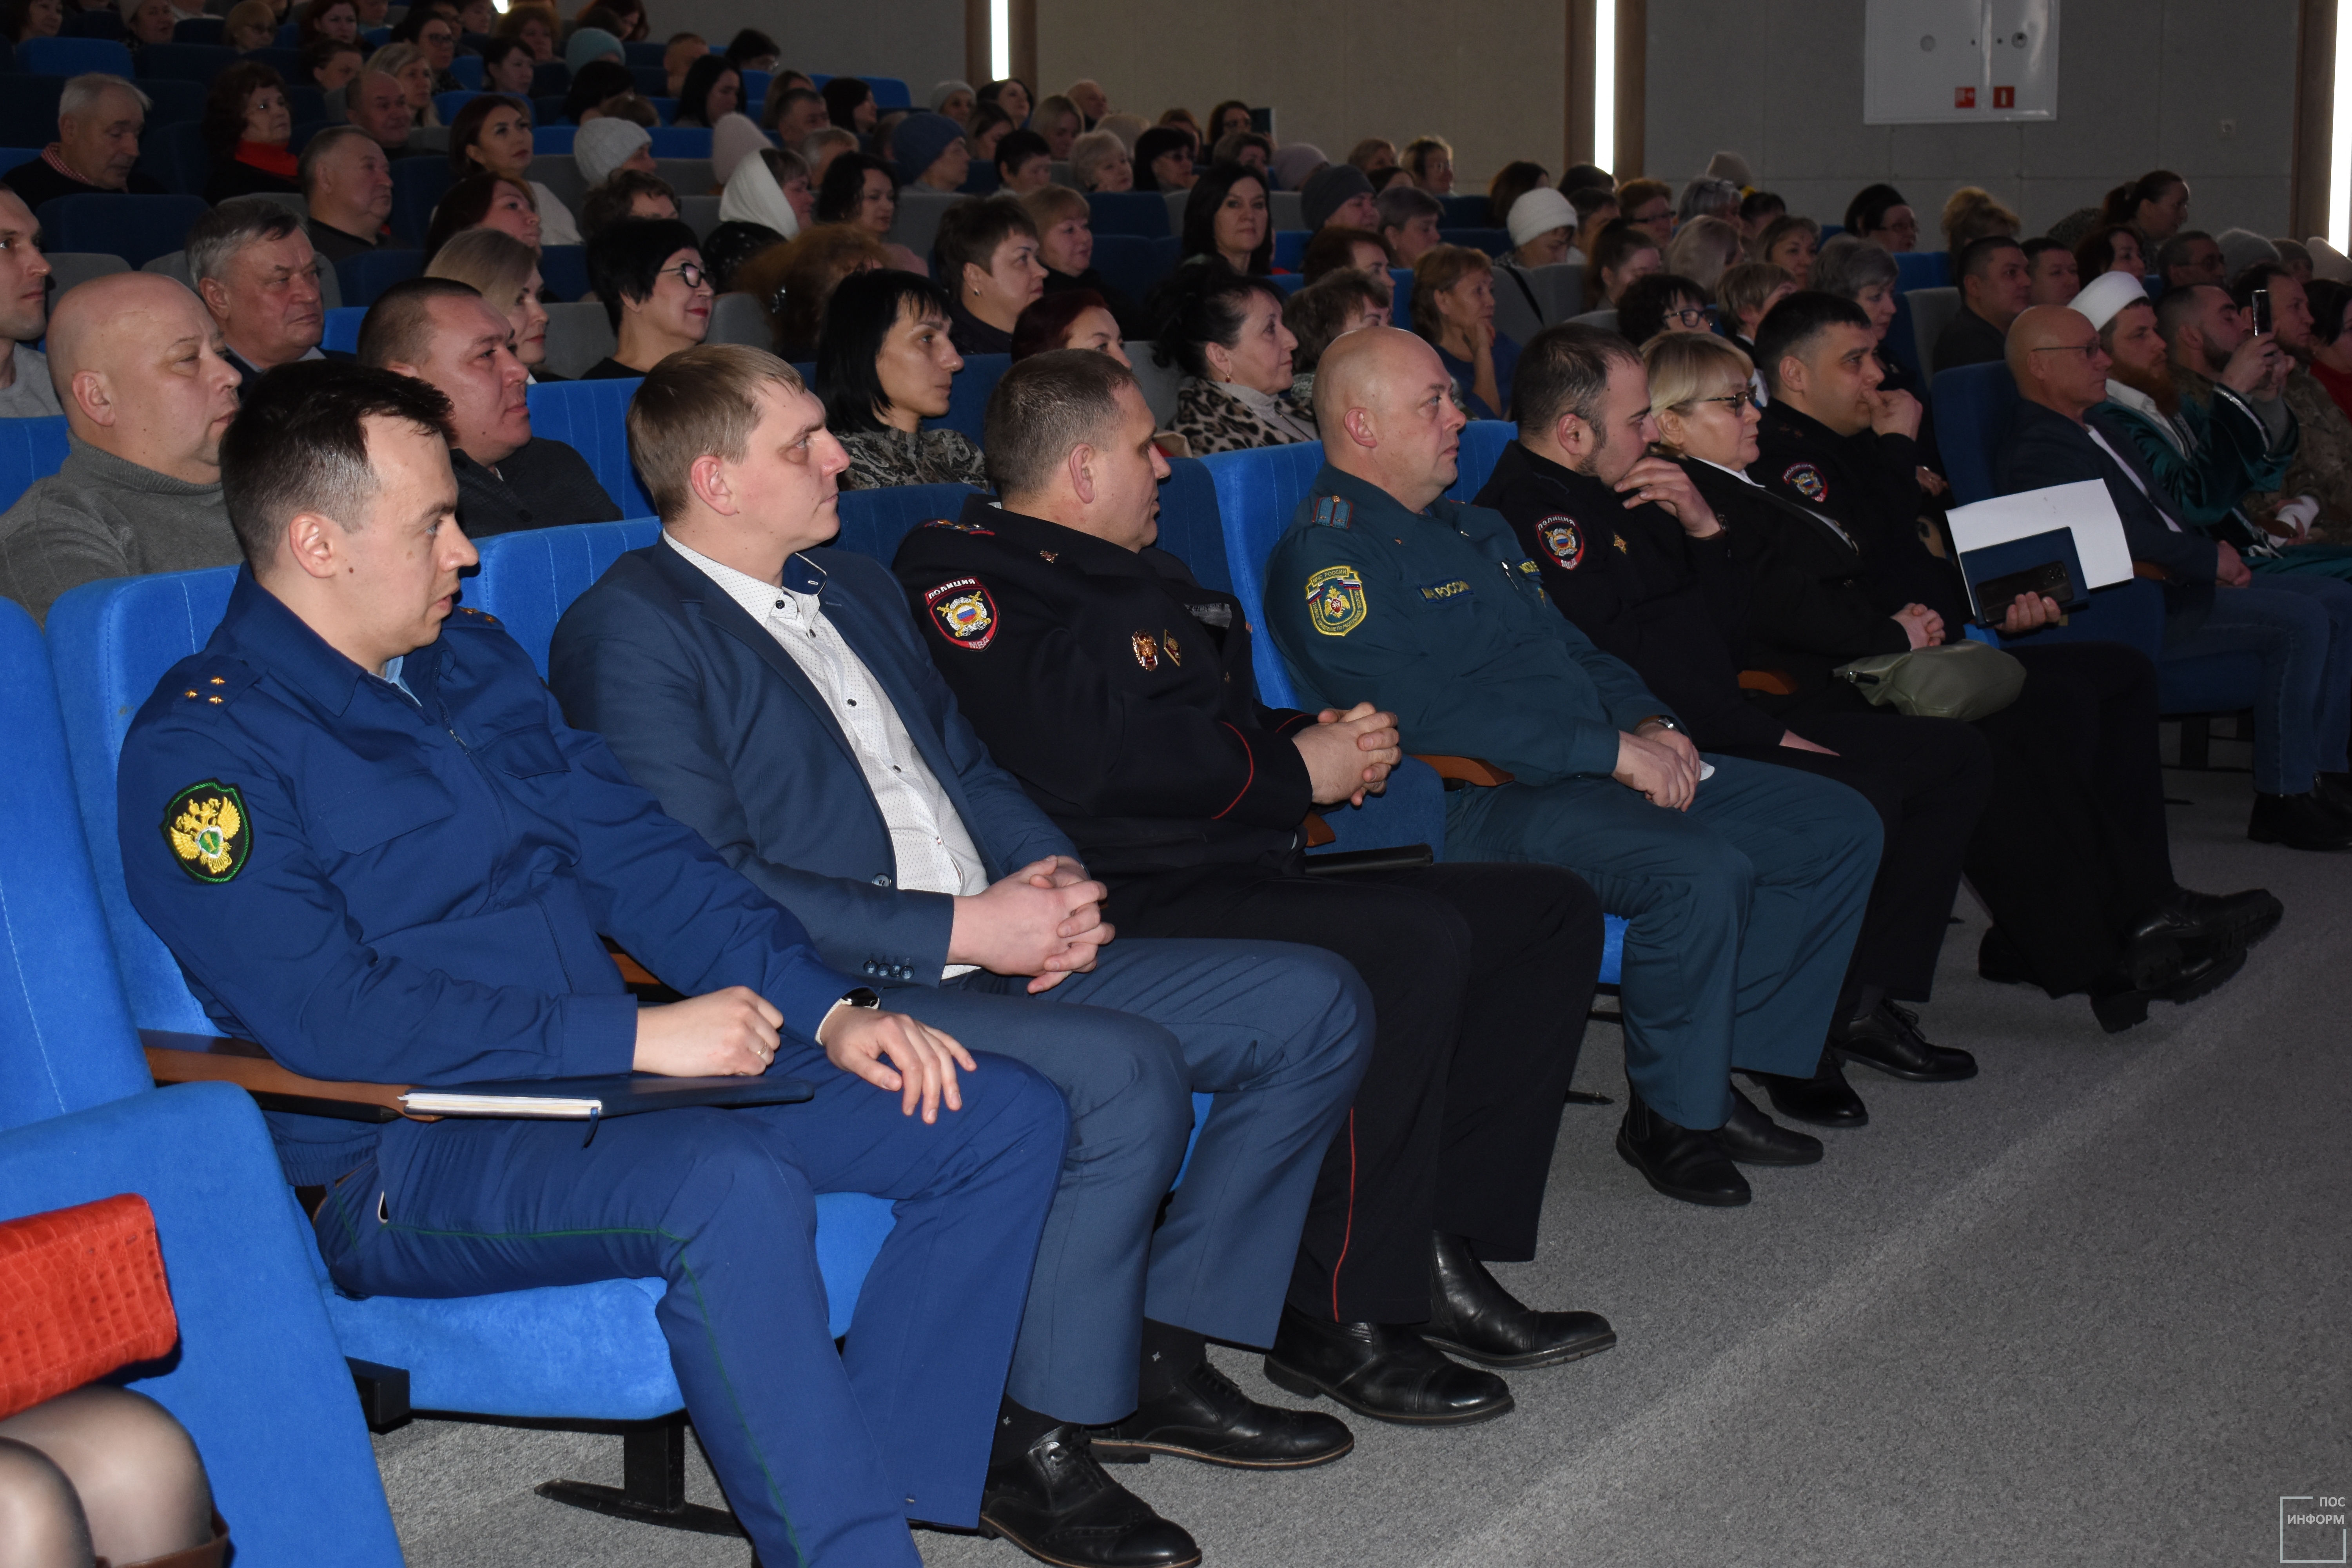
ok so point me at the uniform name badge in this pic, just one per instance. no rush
(1335, 600)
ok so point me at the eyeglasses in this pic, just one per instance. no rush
(1691, 316)
(690, 275)
(2085, 349)
(1737, 401)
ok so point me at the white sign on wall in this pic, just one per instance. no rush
(1958, 62)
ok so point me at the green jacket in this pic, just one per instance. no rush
(2210, 457)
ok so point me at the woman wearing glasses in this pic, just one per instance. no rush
(648, 272)
(1454, 308)
(1662, 303)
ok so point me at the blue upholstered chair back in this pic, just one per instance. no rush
(178, 61)
(1143, 214)
(592, 419)
(1483, 441)
(529, 579)
(1132, 263)
(72, 56)
(29, 449)
(968, 397)
(136, 228)
(1973, 405)
(417, 186)
(874, 521)
(1923, 269)
(363, 276)
(1190, 527)
(1257, 492)
(1902, 343)
(344, 328)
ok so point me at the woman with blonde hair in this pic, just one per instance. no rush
(1704, 249)
(1971, 213)
(503, 271)
(1100, 161)
(406, 63)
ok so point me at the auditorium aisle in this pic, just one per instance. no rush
(2091, 1307)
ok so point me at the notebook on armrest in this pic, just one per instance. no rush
(2046, 563)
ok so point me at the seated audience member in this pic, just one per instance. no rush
(2303, 711)
(442, 332)
(1224, 330)
(2242, 250)
(508, 68)
(1012, 95)
(794, 282)
(1373, 154)
(1321, 313)
(26, 392)
(1126, 127)
(433, 29)
(378, 105)
(530, 26)
(1068, 318)
(604, 90)
(2323, 462)
(849, 103)
(1294, 164)
(770, 190)
(752, 50)
(648, 272)
(1229, 118)
(1704, 249)
(628, 194)
(824, 147)
(678, 56)
(954, 99)
(258, 278)
(137, 364)
(146, 21)
(99, 120)
(347, 187)
(1649, 206)
(1194, 821)
(1057, 119)
(658, 656)
(1163, 159)
(1662, 302)
(2155, 206)
(1759, 210)
(1880, 213)
(406, 63)
(885, 363)
(342, 489)
(1227, 221)
(335, 19)
(1409, 221)
(1995, 286)
(247, 127)
(2051, 264)
(1023, 163)
(1745, 294)
(732, 245)
(2112, 249)
(1065, 244)
(1791, 243)
(862, 191)
(2190, 258)
(1706, 197)
(23, 20)
(1335, 248)
(1543, 228)
(101, 1473)
(594, 45)
(1972, 214)
(491, 135)
(795, 114)
(1099, 161)
(987, 132)
(330, 65)
(1596, 208)
(713, 90)
(1454, 309)
(985, 252)
(2296, 256)
(1621, 257)
(930, 153)
(1338, 195)
(484, 201)
(1251, 149)
(2331, 348)
(505, 273)
(1594, 753)
(1646, 583)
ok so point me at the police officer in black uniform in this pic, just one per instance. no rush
(1119, 691)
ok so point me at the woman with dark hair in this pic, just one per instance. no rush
(862, 191)
(1066, 244)
(985, 131)
(1163, 159)
(1880, 213)
(634, 28)
(1757, 209)
(247, 126)
(600, 87)
(1620, 257)
(849, 103)
(508, 68)
(1012, 95)
(1790, 242)
(649, 273)
(1225, 332)
(752, 50)
(491, 135)
(1328, 310)
(713, 87)
(433, 31)
(484, 201)
(1227, 118)
(1662, 302)
(336, 19)
(1068, 318)
(887, 362)
(986, 251)
(2112, 248)
(23, 20)
(1511, 182)
(534, 29)
(1226, 218)
(2155, 206)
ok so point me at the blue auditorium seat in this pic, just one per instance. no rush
(417, 186)
(1132, 263)
(652, 80)
(177, 157)
(173, 99)
(303, 101)
(643, 54)
(889, 93)
(467, 70)
(448, 104)
(29, 449)
(1973, 405)
(1902, 344)
(1922, 269)
(553, 141)
(1143, 214)
(1493, 241)
(551, 78)
(344, 328)
(11, 157)
(72, 56)
(177, 61)
(564, 270)
(103, 23)
(968, 397)
(363, 276)
(592, 419)
(680, 142)
(28, 109)
(136, 228)
(1483, 441)
(1465, 212)
(1290, 247)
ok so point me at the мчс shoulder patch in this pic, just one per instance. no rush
(1807, 481)
(1562, 540)
(207, 830)
(963, 612)
(1335, 600)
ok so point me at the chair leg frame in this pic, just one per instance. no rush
(652, 1483)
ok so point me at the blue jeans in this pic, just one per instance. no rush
(2300, 626)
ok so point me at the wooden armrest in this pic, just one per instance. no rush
(1318, 832)
(2152, 571)
(1468, 769)
(208, 1058)
(1773, 682)
(632, 971)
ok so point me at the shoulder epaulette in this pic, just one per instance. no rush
(467, 616)
(212, 682)
(1332, 511)
(959, 526)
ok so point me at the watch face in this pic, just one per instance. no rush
(861, 997)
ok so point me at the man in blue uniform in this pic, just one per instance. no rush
(376, 847)
(1744, 893)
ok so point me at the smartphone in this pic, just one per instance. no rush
(2259, 312)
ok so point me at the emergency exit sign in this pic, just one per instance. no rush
(1958, 62)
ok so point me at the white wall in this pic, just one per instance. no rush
(2143, 84)
(921, 40)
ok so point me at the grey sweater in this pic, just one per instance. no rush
(101, 516)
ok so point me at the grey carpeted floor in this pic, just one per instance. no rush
(2094, 1306)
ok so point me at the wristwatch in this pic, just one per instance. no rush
(864, 996)
(1663, 722)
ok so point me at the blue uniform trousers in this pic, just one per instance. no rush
(1280, 1034)
(2300, 624)
(1741, 912)
(824, 1456)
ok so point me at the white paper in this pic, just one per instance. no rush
(2084, 509)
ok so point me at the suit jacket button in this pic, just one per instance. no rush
(881, 881)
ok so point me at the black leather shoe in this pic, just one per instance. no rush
(1387, 1373)
(1999, 961)
(1825, 1099)
(2298, 822)
(1472, 1315)
(1753, 1138)
(1055, 1503)
(2205, 978)
(1887, 1037)
(1205, 1417)
(2209, 925)
(2151, 962)
(1683, 1162)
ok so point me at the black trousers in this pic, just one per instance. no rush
(1929, 779)
(1481, 977)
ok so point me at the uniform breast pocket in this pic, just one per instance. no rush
(383, 808)
(526, 753)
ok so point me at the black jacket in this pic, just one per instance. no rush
(1869, 485)
(36, 183)
(1114, 687)
(541, 484)
(972, 335)
(1640, 588)
(1969, 339)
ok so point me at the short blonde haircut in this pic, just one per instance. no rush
(1703, 251)
(1441, 266)
(1686, 366)
(1049, 204)
(495, 263)
(699, 401)
(1971, 213)
(1091, 152)
(1742, 290)
(1125, 127)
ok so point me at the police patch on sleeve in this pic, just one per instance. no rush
(963, 612)
(1563, 540)
(208, 832)
(1806, 480)
(1335, 600)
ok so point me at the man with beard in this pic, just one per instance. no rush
(2322, 468)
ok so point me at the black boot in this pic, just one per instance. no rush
(1196, 1413)
(1472, 1315)
(2151, 962)
(1825, 1099)
(1378, 1369)
(2298, 822)
(2212, 925)
(1753, 1138)
(1051, 1498)
(1887, 1037)
(1683, 1162)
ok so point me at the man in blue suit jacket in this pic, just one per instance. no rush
(773, 697)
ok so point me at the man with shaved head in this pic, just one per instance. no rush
(1744, 884)
(137, 365)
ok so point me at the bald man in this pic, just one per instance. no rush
(137, 364)
(1092, 100)
(1744, 883)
